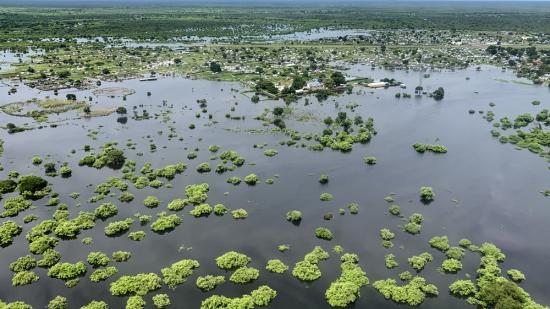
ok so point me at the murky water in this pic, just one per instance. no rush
(497, 186)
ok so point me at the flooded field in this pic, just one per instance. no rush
(485, 191)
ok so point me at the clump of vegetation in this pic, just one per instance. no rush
(8, 230)
(451, 265)
(419, 261)
(121, 256)
(103, 274)
(98, 259)
(251, 179)
(209, 282)
(165, 223)
(177, 204)
(118, 227)
(137, 235)
(515, 275)
(307, 269)
(203, 168)
(260, 297)
(440, 243)
(202, 210)
(427, 194)
(370, 160)
(294, 216)
(139, 284)
(105, 211)
(395, 210)
(161, 300)
(197, 193)
(429, 147)
(345, 290)
(276, 266)
(24, 277)
(325, 197)
(109, 156)
(14, 205)
(234, 180)
(390, 261)
(323, 179)
(244, 275)
(151, 201)
(32, 187)
(270, 152)
(178, 272)
(413, 293)
(323, 233)
(232, 260)
(414, 225)
(463, 288)
(58, 302)
(239, 213)
(67, 271)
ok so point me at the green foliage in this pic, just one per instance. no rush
(209, 282)
(24, 277)
(202, 210)
(239, 213)
(118, 227)
(232, 260)
(14, 205)
(427, 194)
(23, 263)
(463, 288)
(251, 179)
(440, 243)
(451, 265)
(139, 284)
(135, 302)
(137, 235)
(260, 297)
(165, 223)
(370, 160)
(323, 179)
(390, 261)
(121, 256)
(345, 290)
(177, 204)
(7, 186)
(395, 210)
(234, 180)
(31, 186)
(8, 230)
(203, 168)
(413, 293)
(106, 210)
(178, 272)
(323, 233)
(294, 216)
(219, 209)
(325, 197)
(515, 275)
(103, 274)
(307, 269)
(244, 275)
(429, 147)
(276, 266)
(419, 261)
(50, 257)
(161, 300)
(270, 152)
(196, 193)
(151, 201)
(96, 305)
(59, 302)
(98, 259)
(67, 271)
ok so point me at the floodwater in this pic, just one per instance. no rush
(497, 187)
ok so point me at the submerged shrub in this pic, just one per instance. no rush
(323, 179)
(98, 259)
(151, 201)
(260, 297)
(139, 284)
(203, 168)
(323, 233)
(209, 282)
(232, 260)
(244, 275)
(276, 266)
(219, 209)
(137, 235)
(67, 271)
(390, 261)
(270, 152)
(345, 290)
(106, 210)
(234, 180)
(515, 275)
(440, 242)
(14, 205)
(177, 204)
(427, 194)
(103, 274)
(307, 269)
(118, 227)
(294, 216)
(325, 197)
(23, 263)
(202, 210)
(251, 179)
(413, 293)
(59, 302)
(165, 223)
(161, 300)
(419, 261)
(121, 256)
(451, 265)
(196, 193)
(178, 272)
(370, 160)
(24, 277)
(239, 213)
(135, 302)
(463, 288)
(96, 305)
(8, 230)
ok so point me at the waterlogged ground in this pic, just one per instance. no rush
(485, 191)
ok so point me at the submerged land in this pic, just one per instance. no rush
(303, 156)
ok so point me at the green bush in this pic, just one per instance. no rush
(178, 272)
(98, 259)
(103, 274)
(244, 275)
(165, 223)
(161, 300)
(251, 179)
(139, 284)
(323, 233)
(209, 282)
(232, 260)
(239, 213)
(151, 201)
(463, 288)
(276, 266)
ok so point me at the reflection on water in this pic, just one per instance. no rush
(497, 187)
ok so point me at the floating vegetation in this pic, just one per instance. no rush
(345, 290)
(209, 282)
(139, 284)
(325, 197)
(276, 266)
(294, 216)
(413, 293)
(232, 260)
(260, 297)
(323, 233)
(165, 223)
(178, 272)
(419, 261)
(103, 274)
(307, 269)
(244, 275)
(427, 194)
(429, 147)
(239, 213)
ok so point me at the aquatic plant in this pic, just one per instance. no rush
(307, 269)
(177, 204)
(137, 235)
(419, 261)
(451, 265)
(390, 261)
(121, 256)
(323, 179)
(386, 234)
(244, 275)
(30, 185)
(463, 288)
(151, 201)
(23, 263)
(118, 227)
(456, 253)
(515, 275)
(405, 276)
(58, 302)
(196, 193)
(14, 205)
(260, 297)
(98, 259)
(345, 290)
(219, 209)
(270, 152)
(429, 147)
(202, 210)
(413, 293)
(105, 211)
(395, 210)
(232, 260)
(50, 257)
(7, 186)
(126, 197)
(323, 233)
(234, 180)
(24, 277)
(440, 242)
(203, 168)
(165, 223)
(67, 271)
(251, 179)
(325, 197)
(239, 213)
(161, 300)
(294, 216)
(276, 266)
(135, 302)
(8, 230)
(427, 194)
(353, 208)
(36, 160)
(178, 272)
(283, 248)
(103, 274)
(96, 305)
(370, 160)
(209, 282)
(139, 284)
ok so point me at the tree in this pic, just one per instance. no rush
(439, 93)
(298, 83)
(71, 96)
(31, 184)
(114, 157)
(215, 67)
(338, 78)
